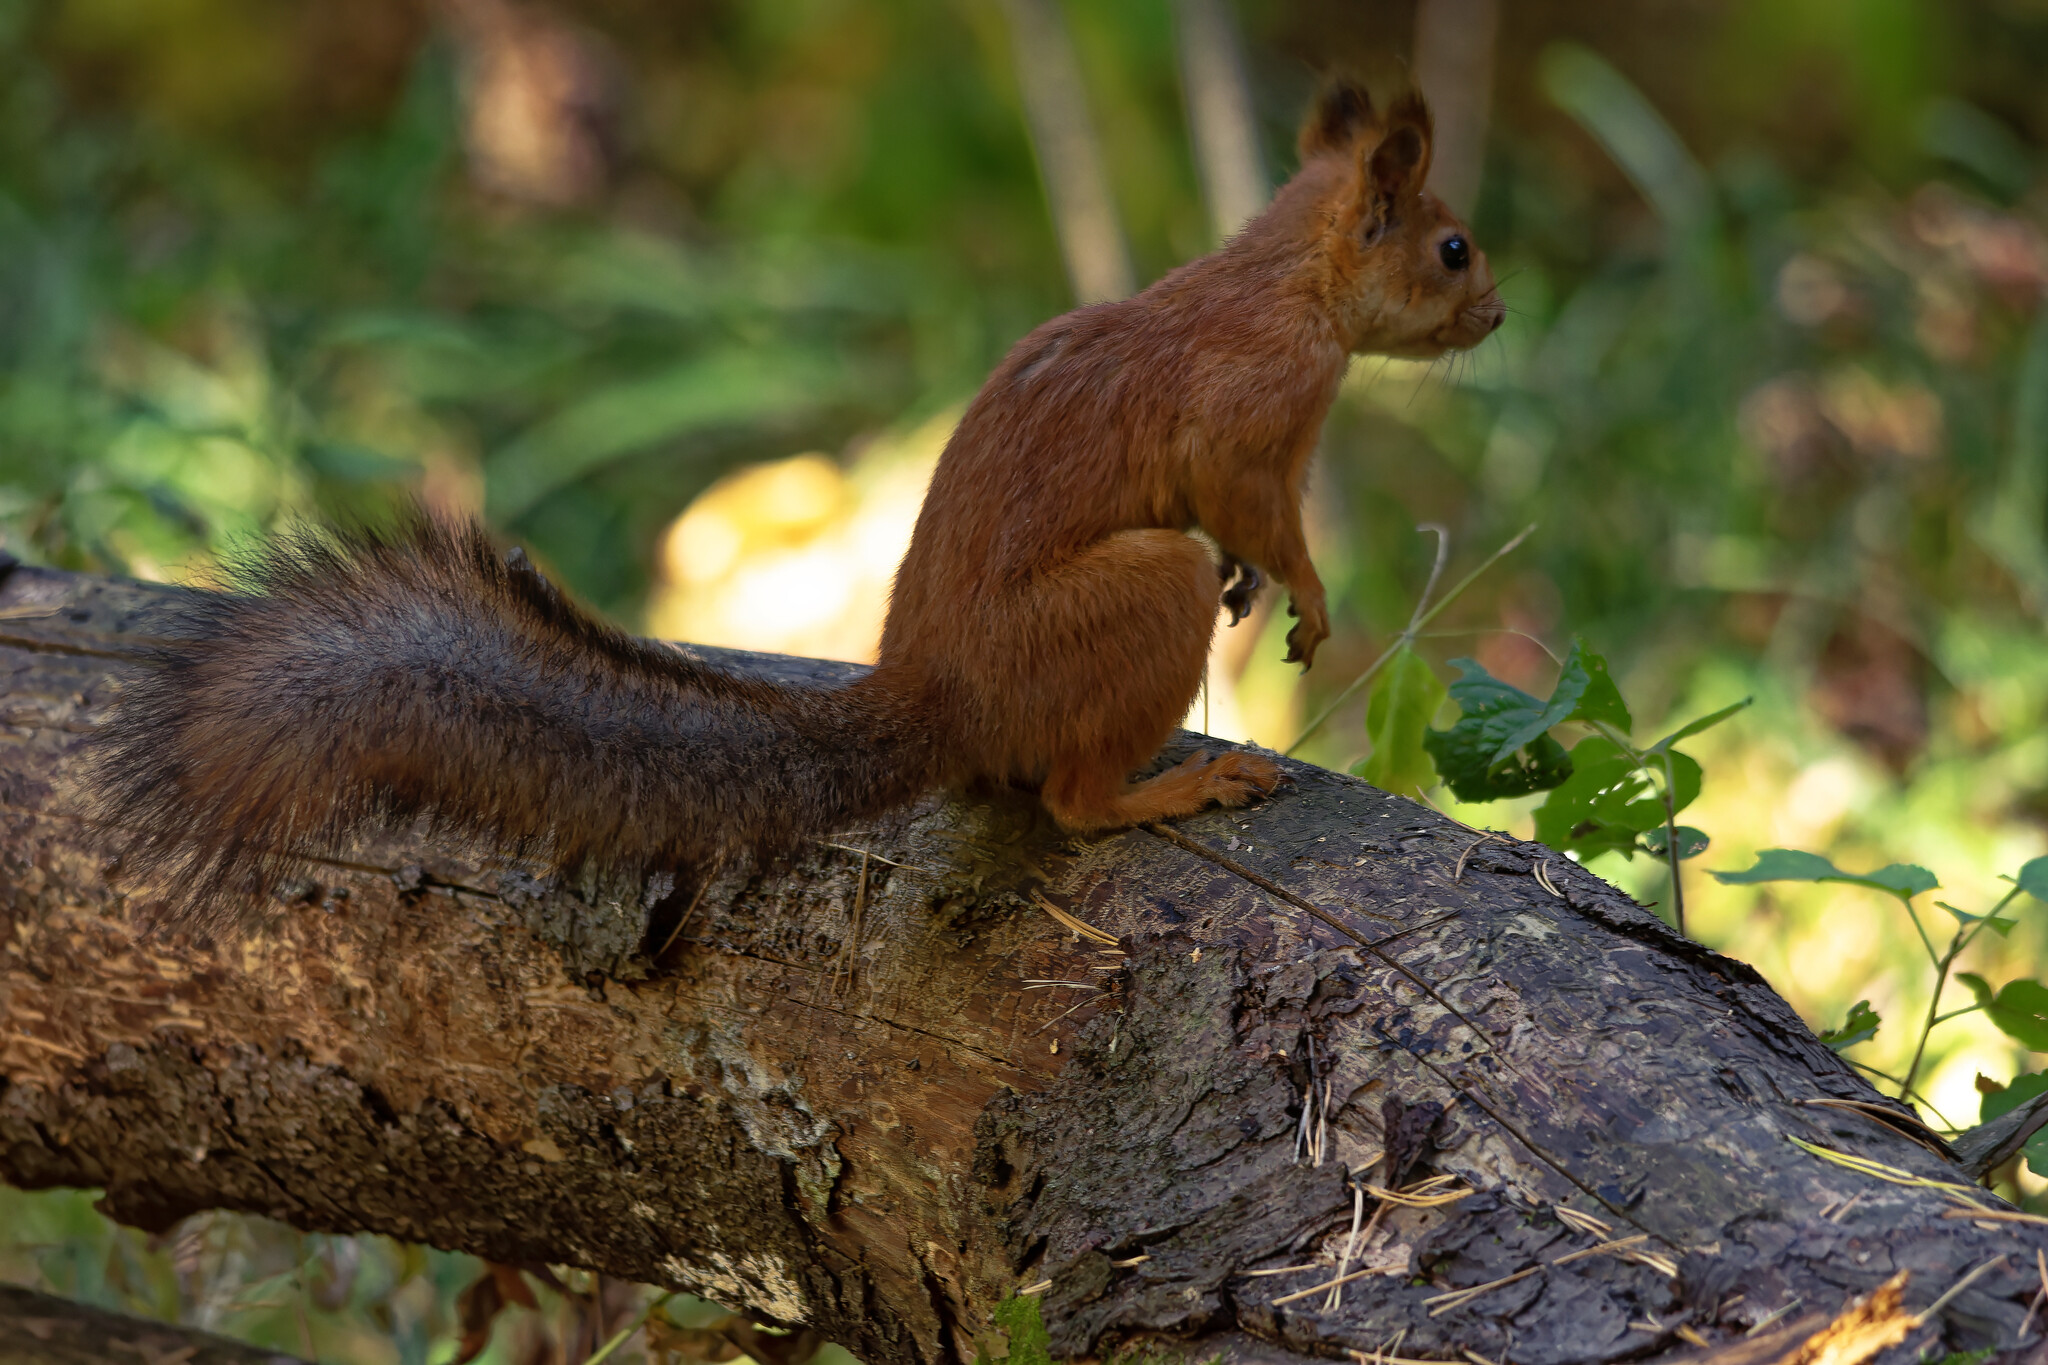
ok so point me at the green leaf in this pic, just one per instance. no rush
(1998, 924)
(1691, 842)
(1404, 699)
(1467, 755)
(2037, 1152)
(1584, 692)
(1599, 699)
(2024, 1087)
(1685, 780)
(1609, 800)
(1605, 788)
(1510, 718)
(1602, 807)
(2020, 1009)
(2033, 879)
(1782, 865)
(1977, 986)
(1860, 1026)
(1703, 723)
(1904, 880)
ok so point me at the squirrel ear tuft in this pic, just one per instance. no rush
(1342, 111)
(1400, 163)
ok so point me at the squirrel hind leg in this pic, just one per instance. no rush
(1083, 799)
(1092, 665)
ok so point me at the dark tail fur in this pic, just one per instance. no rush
(364, 680)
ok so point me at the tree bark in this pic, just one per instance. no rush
(880, 1087)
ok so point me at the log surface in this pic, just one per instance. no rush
(877, 1088)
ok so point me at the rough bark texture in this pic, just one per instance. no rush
(37, 1329)
(841, 1092)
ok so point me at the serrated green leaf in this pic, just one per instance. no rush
(1584, 692)
(2024, 1087)
(1467, 754)
(1505, 715)
(1397, 715)
(2020, 1009)
(1976, 986)
(1599, 700)
(1904, 880)
(1861, 1025)
(1998, 924)
(1604, 781)
(2033, 879)
(1463, 766)
(1608, 801)
(1706, 722)
(1691, 842)
(1564, 698)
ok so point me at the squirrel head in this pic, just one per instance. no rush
(1397, 270)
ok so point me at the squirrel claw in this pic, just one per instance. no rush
(1301, 645)
(1241, 583)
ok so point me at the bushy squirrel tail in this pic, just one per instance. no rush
(361, 680)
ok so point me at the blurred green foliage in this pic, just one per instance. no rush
(364, 1299)
(1775, 386)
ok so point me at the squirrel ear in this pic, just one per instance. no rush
(1399, 164)
(1341, 113)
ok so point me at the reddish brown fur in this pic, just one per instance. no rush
(1049, 624)
(1050, 588)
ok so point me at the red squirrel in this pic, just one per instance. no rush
(1049, 624)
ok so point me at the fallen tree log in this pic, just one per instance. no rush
(1170, 1082)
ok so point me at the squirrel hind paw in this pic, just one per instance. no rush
(1237, 778)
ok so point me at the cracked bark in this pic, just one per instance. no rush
(877, 1088)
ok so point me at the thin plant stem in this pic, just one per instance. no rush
(1933, 1006)
(1669, 785)
(619, 1338)
(1420, 619)
(1494, 630)
(1436, 571)
(1671, 845)
(1921, 929)
(1964, 937)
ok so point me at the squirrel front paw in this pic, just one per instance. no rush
(1241, 583)
(1310, 631)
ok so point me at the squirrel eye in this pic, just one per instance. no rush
(1455, 254)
